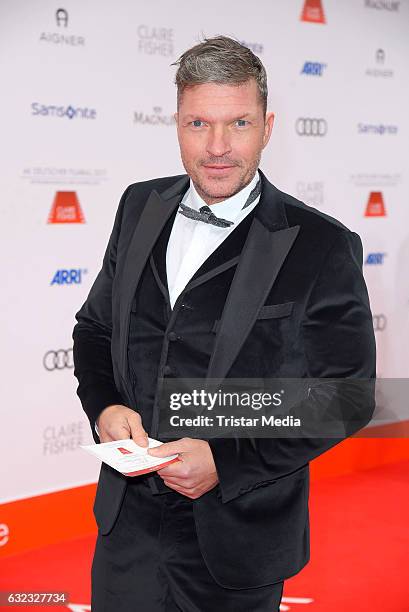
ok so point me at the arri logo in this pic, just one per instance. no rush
(67, 112)
(71, 276)
(308, 126)
(313, 68)
(66, 208)
(313, 12)
(375, 259)
(375, 206)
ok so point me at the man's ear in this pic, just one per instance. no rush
(268, 126)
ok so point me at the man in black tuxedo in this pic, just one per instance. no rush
(214, 275)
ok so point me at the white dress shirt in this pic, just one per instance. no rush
(191, 241)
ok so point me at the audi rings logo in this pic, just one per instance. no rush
(308, 126)
(58, 360)
(379, 322)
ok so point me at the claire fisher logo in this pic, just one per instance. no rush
(67, 112)
(63, 36)
(155, 118)
(66, 208)
(58, 439)
(376, 205)
(154, 40)
(313, 12)
(311, 192)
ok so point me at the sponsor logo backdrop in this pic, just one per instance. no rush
(87, 108)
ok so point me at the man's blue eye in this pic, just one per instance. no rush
(197, 123)
(241, 122)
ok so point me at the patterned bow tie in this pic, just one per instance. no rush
(205, 214)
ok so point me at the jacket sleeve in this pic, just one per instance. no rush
(92, 335)
(339, 344)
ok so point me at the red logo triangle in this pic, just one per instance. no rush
(313, 12)
(375, 206)
(124, 451)
(66, 208)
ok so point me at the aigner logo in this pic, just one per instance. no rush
(307, 126)
(61, 17)
(58, 360)
(66, 208)
(313, 68)
(313, 12)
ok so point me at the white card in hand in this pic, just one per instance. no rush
(128, 458)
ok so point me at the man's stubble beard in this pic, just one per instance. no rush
(219, 192)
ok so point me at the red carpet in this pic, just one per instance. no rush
(359, 552)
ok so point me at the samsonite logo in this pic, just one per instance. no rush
(69, 276)
(375, 206)
(313, 12)
(66, 208)
(375, 259)
(313, 68)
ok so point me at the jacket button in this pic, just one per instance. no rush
(167, 370)
(172, 336)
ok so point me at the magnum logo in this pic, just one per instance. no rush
(313, 12)
(66, 208)
(375, 206)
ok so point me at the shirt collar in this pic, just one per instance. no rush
(230, 207)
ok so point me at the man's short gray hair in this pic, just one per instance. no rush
(220, 60)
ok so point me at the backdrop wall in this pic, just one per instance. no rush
(87, 103)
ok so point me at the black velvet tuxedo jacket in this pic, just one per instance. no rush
(295, 306)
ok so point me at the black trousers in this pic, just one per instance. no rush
(151, 562)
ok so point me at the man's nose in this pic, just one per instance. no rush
(218, 143)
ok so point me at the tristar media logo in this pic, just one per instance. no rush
(375, 259)
(63, 112)
(66, 208)
(375, 206)
(386, 5)
(63, 36)
(313, 12)
(313, 68)
(69, 276)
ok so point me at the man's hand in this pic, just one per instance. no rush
(118, 423)
(195, 473)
